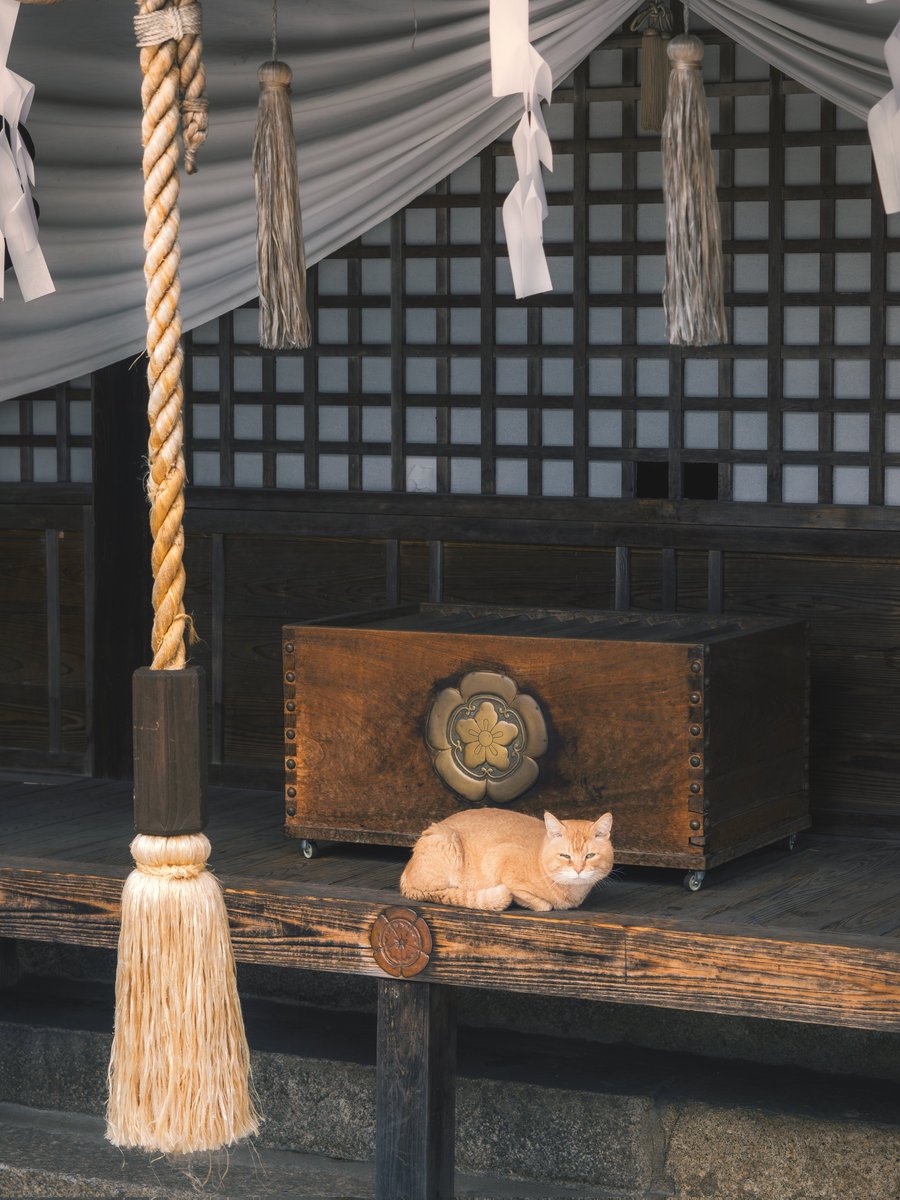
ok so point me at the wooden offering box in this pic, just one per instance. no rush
(691, 729)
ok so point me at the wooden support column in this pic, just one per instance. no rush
(120, 553)
(10, 971)
(415, 1092)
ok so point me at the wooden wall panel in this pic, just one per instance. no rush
(413, 572)
(545, 576)
(198, 602)
(267, 576)
(853, 609)
(72, 639)
(23, 650)
(691, 577)
(28, 712)
(269, 581)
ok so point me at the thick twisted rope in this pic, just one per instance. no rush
(194, 105)
(161, 66)
(181, 21)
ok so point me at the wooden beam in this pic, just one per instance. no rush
(415, 1092)
(816, 979)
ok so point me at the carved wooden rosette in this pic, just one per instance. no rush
(401, 942)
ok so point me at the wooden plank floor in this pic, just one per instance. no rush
(810, 936)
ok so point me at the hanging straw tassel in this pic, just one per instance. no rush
(283, 317)
(654, 23)
(179, 1067)
(694, 292)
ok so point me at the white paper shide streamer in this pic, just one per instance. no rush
(18, 222)
(884, 129)
(517, 67)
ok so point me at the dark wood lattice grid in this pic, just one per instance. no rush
(46, 437)
(427, 375)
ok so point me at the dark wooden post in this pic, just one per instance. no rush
(170, 751)
(120, 554)
(415, 1092)
(10, 971)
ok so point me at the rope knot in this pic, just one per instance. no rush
(655, 18)
(171, 871)
(167, 24)
(685, 52)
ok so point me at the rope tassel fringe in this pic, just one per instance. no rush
(654, 23)
(694, 291)
(283, 316)
(178, 1075)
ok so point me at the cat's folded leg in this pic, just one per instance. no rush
(490, 899)
(494, 899)
(527, 899)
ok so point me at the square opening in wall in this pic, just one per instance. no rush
(700, 481)
(651, 480)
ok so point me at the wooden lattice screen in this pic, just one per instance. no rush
(427, 375)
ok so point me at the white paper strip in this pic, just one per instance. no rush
(517, 67)
(18, 221)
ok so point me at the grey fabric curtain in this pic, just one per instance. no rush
(835, 47)
(389, 97)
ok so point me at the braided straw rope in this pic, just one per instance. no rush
(165, 67)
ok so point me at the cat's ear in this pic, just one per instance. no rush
(602, 826)
(555, 828)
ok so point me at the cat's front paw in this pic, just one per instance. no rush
(496, 898)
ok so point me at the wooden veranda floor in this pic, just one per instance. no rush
(808, 936)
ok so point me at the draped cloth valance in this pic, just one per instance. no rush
(389, 97)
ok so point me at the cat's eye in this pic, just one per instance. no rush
(568, 857)
(591, 855)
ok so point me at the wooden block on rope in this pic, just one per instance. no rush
(170, 751)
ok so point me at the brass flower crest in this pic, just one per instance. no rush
(484, 736)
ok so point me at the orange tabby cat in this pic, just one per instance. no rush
(492, 857)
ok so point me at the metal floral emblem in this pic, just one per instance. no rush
(401, 942)
(484, 737)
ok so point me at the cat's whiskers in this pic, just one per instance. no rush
(613, 877)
